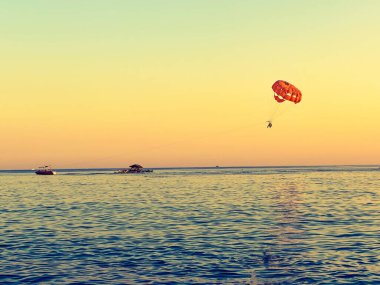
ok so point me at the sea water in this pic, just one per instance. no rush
(270, 225)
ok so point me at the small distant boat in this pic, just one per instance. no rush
(45, 170)
(134, 168)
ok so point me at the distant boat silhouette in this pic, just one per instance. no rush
(134, 168)
(45, 170)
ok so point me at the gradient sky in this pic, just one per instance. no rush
(92, 83)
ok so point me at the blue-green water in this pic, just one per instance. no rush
(291, 225)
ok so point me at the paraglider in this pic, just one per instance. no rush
(284, 91)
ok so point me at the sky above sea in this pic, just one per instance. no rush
(188, 83)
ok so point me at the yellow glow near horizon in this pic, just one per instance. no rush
(166, 83)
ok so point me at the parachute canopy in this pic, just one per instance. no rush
(284, 91)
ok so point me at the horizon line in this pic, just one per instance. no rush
(207, 167)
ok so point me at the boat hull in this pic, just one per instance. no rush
(133, 172)
(45, 172)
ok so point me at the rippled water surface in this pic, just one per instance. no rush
(313, 225)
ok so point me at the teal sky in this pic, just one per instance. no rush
(289, 24)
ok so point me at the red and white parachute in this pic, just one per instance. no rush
(284, 91)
